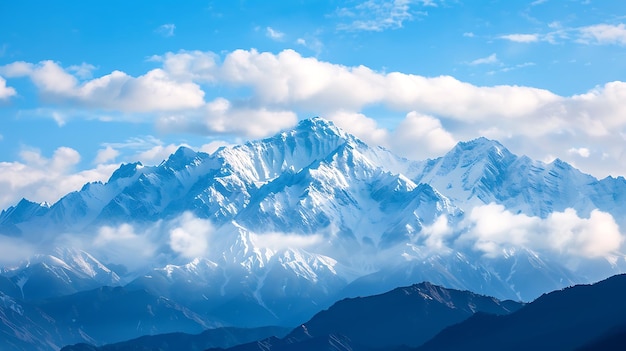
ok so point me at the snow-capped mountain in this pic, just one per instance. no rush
(61, 272)
(483, 171)
(273, 230)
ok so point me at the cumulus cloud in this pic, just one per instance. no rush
(279, 88)
(40, 179)
(122, 244)
(417, 136)
(82, 71)
(106, 155)
(420, 136)
(194, 66)
(288, 79)
(437, 234)
(492, 229)
(221, 117)
(604, 34)
(6, 91)
(581, 151)
(154, 91)
(190, 236)
(361, 126)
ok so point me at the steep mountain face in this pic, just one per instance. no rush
(563, 320)
(404, 316)
(25, 327)
(274, 230)
(482, 171)
(62, 272)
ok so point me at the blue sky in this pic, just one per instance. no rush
(85, 86)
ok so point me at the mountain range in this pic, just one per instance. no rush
(272, 231)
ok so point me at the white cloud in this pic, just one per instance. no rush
(6, 91)
(421, 136)
(122, 244)
(437, 234)
(491, 59)
(361, 126)
(83, 71)
(194, 66)
(221, 117)
(274, 34)
(286, 85)
(601, 34)
(379, 15)
(492, 229)
(468, 34)
(106, 155)
(190, 236)
(604, 34)
(40, 179)
(416, 137)
(154, 91)
(166, 30)
(582, 152)
(521, 38)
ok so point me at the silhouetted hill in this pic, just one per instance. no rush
(404, 316)
(583, 316)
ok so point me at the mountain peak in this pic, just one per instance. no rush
(319, 126)
(126, 170)
(468, 153)
(481, 144)
(183, 156)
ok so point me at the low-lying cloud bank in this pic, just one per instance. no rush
(489, 231)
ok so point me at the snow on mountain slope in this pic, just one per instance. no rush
(348, 194)
(284, 224)
(64, 271)
(279, 282)
(483, 171)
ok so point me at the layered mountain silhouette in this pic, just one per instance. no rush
(428, 317)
